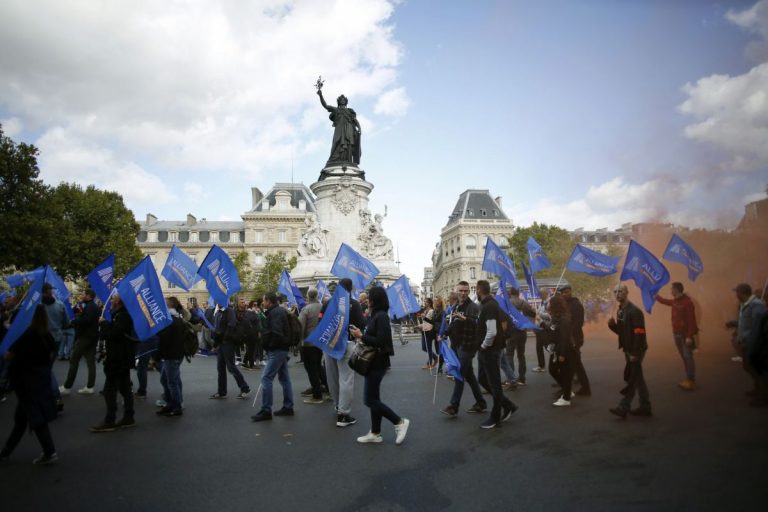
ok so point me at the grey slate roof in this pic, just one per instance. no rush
(476, 204)
(298, 192)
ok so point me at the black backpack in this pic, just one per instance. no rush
(190, 339)
(294, 332)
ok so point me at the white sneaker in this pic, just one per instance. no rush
(539, 369)
(370, 437)
(736, 359)
(573, 394)
(64, 391)
(85, 391)
(561, 402)
(401, 429)
(161, 403)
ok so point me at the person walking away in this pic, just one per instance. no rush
(86, 323)
(30, 361)
(562, 367)
(310, 354)
(225, 339)
(378, 334)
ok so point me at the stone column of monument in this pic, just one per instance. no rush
(342, 208)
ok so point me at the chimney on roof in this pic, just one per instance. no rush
(191, 220)
(256, 196)
(498, 201)
(151, 219)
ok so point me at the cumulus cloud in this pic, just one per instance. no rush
(216, 85)
(755, 20)
(393, 103)
(732, 111)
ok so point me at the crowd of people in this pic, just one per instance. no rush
(263, 334)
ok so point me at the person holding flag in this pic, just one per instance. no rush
(312, 356)
(462, 331)
(629, 325)
(378, 333)
(120, 358)
(684, 331)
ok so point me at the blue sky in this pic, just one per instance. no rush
(579, 113)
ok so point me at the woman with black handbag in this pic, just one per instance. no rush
(378, 334)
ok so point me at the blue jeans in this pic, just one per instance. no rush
(144, 353)
(465, 359)
(509, 371)
(372, 400)
(225, 362)
(686, 353)
(491, 359)
(170, 378)
(67, 341)
(277, 364)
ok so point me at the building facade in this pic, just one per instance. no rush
(458, 256)
(273, 225)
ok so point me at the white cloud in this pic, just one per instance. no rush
(732, 111)
(221, 86)
(393, 103)
(11, 127)
(194, 193)
(755, 20)
(65, 158)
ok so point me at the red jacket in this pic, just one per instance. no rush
(683, 315)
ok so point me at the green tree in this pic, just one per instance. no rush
(558, 245)
(91, 224)
(244, 273)
(27, 226)
(268, 277)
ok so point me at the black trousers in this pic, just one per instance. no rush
(562, 372)
(118, 380)
(20, 423)
(541, 342)
(581, 373)
(313, 364)
(491, 360)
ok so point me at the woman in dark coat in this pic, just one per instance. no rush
(30, 376)
(378, 333)
(565, 351)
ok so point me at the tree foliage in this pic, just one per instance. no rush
(558, 245)
(26, 225)
(68, 227)
(268, 277)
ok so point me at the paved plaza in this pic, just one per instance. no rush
(704, 450)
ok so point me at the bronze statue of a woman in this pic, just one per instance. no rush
(345, 148)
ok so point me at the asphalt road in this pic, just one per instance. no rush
(702, 450)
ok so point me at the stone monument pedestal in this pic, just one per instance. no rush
(342, 217)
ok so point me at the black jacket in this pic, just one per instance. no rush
(120, 343)
(463, 333)
(275, 336)
(356, 316)
(490, 311)
(562, 336)
(378, 333)
(86, 322)
(225, 325)
(577, 320)
(631, 329)
(171, 340)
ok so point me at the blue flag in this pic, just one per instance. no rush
(498, 262)
(322, 290)
(17, 280)
(680, 252)
(24, 316)
(402, 302)
(287, 287)
(648, 273)
(140, 293)
(452, 364)
(536, 257)
(332, 333)
(102, 277)
(60, 290)
(180, 269)
(519, 320)
(349, 263)
(592, 262)
(444, 323)
(533, 287)
(220, 276)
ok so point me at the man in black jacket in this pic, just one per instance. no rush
(276, 343)
(225, 338)
(462, 331)
(630, 327)
(86, 323)
(170, 350)
(120, 357)
(490, 336)
(577, 325)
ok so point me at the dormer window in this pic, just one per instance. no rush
(484, 212)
